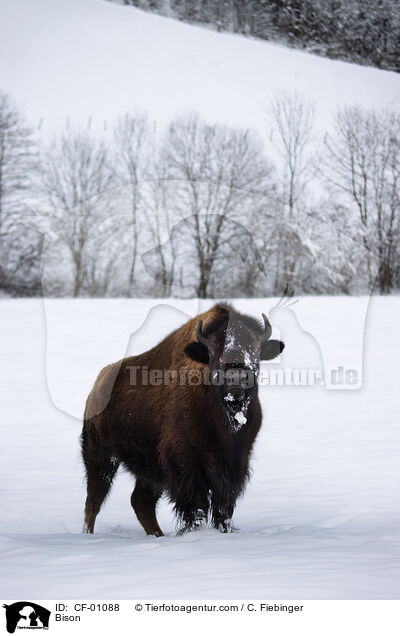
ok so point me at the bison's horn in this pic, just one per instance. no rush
(199, 335)
(267, 329)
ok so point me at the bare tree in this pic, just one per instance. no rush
(134, 146)
(17, 153)
(293, 121)
(19, 249)
(159, 202)
(363, 162)
(76, 181)
(218, 171)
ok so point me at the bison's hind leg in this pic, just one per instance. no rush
(99, 479)
(100, 472)
(144, 499)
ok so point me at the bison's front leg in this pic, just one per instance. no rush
(222, 517)
(224, 525)
(189, 491)
(191, 511)
(224, 494)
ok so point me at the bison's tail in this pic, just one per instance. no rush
(85, 433)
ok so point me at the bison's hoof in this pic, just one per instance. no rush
(227, 527)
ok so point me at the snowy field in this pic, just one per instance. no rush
(88, 61)
(320, 518)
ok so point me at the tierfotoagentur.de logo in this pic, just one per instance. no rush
(26, 615)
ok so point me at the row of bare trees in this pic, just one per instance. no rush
(201, 209)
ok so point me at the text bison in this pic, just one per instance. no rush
(182, 418)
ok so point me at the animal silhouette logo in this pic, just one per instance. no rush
(26, 615)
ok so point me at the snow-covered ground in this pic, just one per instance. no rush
(320, 518)
(87, 61)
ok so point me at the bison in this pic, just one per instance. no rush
(182, 418)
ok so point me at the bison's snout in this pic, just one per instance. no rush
(238, 382)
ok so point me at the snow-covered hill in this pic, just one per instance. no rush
(320, 518)
(90, 60)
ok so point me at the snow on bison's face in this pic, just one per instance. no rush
(232, 346)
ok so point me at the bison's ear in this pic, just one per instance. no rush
(197, 352)
(270, 349)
